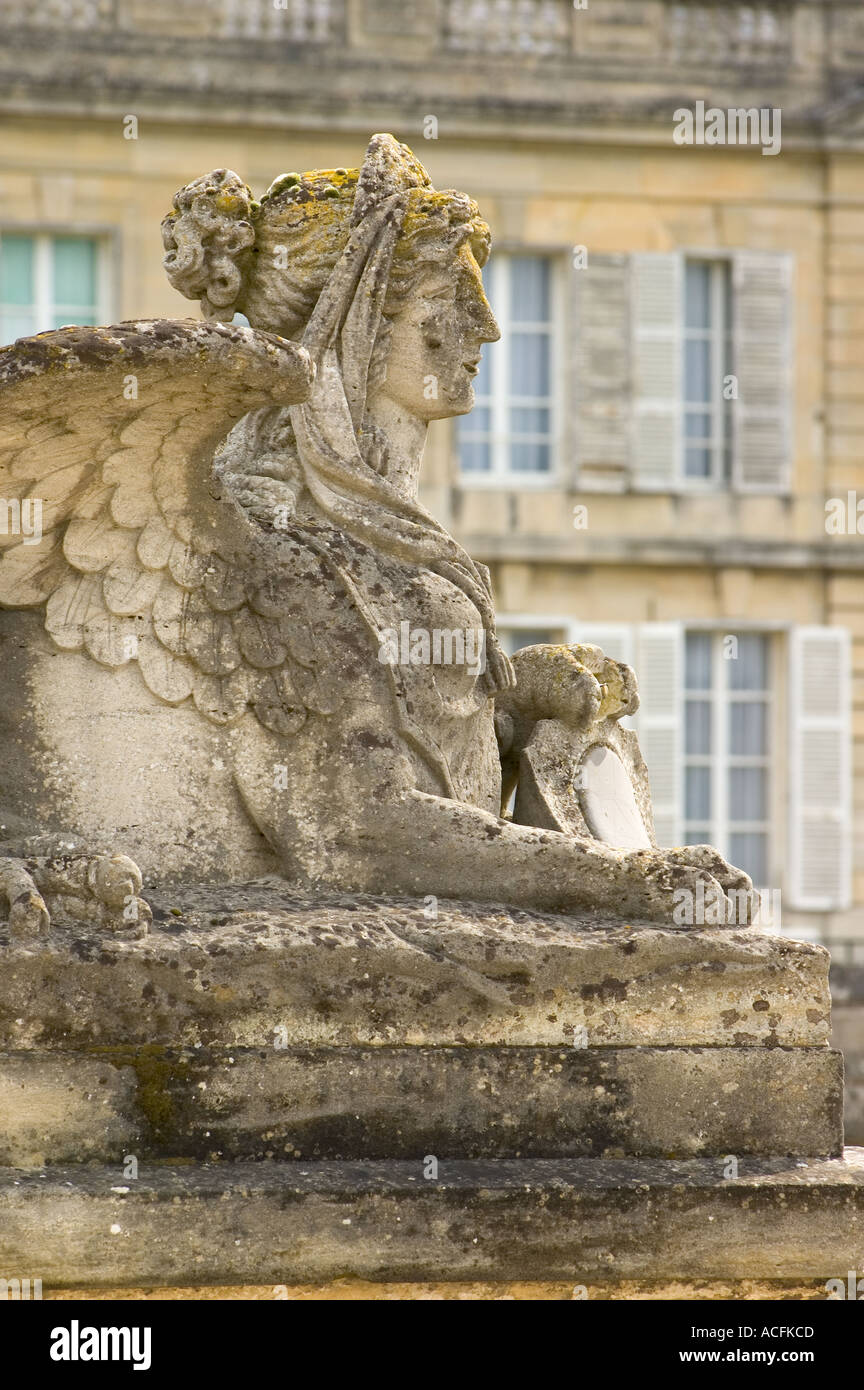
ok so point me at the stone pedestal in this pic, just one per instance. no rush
(314, 1087)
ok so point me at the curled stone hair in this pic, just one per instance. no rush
(271, 260)
(208, 240)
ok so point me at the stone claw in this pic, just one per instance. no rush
(28, 915)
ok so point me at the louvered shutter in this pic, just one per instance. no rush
(657, 317)
(601, 386)
(820, 753)
(762, 358)
(659, 721)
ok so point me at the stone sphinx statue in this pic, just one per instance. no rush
(240, 646)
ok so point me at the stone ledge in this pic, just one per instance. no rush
(369, 1290)
(385, 1102)
(240, 965)
(577, 1220)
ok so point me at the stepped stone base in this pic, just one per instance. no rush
(510, 1291)
(578, 1220)
(244, 966)
(386, 1102)
(585, 1088)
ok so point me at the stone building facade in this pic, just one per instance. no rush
(665, 456)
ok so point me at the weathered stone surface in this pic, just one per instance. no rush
(574, 1220)
(244, 966)
(64, 1109)
(512, 1291)
(385, 1102)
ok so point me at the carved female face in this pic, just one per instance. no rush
(436, 340)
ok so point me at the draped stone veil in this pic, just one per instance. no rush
(340, 336)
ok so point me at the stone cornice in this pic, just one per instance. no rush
(725, 553)
(595, 77)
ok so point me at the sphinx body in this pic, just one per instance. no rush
(212, 696)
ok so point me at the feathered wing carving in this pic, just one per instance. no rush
(114, 430)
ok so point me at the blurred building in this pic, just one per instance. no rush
(679, 389)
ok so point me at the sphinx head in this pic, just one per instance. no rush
(271, 260)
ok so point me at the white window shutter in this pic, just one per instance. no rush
(820, 754)
(601, 387)
(762, 363)
(659, 722)
(657, 319)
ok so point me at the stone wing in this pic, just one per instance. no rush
(107, 438)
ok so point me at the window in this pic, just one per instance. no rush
(748, 746)
(46, 282)
(707, 339)
(656, 338)
(512, 638)
(727, 747)
(511, 430)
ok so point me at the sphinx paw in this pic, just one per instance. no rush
(60, 882)
(742, 900)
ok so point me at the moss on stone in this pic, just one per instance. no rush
(158, 1072)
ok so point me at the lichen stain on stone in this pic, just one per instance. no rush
(608, 988)
(157, 1071)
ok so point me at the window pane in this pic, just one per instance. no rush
(697, 795)
(529, 364)
(474, 456)
(726, 271)
(72, 316)
(748, 850)
(697, 463)
(74, 270)
(697, 660)
(529, 289)
(512, 638)
(748, 728)
(529, 458)
(483, 379)
(747, 797)
(697, 294)
(14, 326)
(697, 735)
(749, 670)
(697, 424)
(478, 422)
(697, 835)
(527, 421)
(16, 270)
(697, 370)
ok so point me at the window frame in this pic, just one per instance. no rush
(645, 452)
(107, 246)
(499, 476)
(720, 336)
(719, 825)
(531, 622)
